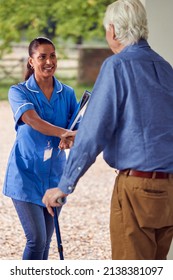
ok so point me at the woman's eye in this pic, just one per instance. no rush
(41, 57)
(53, 56)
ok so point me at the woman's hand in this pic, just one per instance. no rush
(67, 139)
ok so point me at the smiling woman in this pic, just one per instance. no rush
(43, 62)
(42, 107)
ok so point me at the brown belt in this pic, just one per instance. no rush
(144, 174)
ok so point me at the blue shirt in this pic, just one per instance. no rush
(29, 174)
(129, 116)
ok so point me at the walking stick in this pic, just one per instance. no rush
(58, 234)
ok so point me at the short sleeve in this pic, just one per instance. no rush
(19, 102)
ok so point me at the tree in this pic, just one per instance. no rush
(56, 19)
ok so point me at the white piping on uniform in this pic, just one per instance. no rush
(22, 106)
(31, 89)
(60, 88)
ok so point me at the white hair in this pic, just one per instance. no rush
(129, 20)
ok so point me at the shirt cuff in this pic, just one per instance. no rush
(66, 186)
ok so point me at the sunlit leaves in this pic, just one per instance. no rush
(56, 19)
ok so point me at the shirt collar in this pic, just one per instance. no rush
(140, 44)
(32, 85)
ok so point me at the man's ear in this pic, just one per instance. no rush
(112, 29)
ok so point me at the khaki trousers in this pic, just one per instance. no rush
(141, 220)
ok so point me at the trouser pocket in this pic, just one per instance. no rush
(152, 201)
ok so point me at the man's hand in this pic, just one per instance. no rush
(67, 139)
(50, 199)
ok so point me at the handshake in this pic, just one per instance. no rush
(67, 139)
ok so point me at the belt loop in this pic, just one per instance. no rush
(127, 172)
(124, 172)
(154, 175)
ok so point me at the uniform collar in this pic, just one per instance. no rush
(32, 85)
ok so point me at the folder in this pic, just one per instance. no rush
(80, 110)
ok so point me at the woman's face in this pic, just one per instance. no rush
(44, 61)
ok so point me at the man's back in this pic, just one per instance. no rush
(143, 139)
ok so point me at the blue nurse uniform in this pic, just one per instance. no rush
(29, 173)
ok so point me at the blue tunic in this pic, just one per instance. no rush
(29, 173)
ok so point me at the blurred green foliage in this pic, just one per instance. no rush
(58, 20)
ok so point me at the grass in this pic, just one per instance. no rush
(79, 89)
(3, 91)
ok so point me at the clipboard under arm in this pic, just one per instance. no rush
(80, 110)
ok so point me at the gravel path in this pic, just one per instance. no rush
(84, 220)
